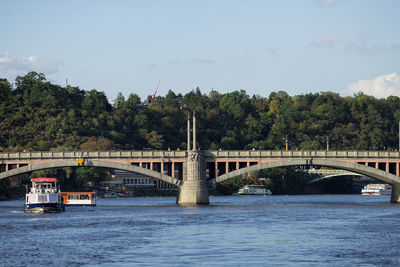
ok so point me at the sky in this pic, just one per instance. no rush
(261, 46)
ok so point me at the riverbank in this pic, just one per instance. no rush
(13, 193)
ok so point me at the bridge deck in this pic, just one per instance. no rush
(206, 154)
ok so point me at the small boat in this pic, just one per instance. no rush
(254, 190)
(79, 198)
(377, 189)
(110, 195)
(43, 197)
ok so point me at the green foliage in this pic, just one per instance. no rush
(39, 115)
(155, 140)
(282, 181)
(97, 144)
(88, 176)
(230, 186)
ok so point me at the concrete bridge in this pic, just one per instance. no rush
(190, 170)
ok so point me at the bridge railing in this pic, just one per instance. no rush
(300, 154)
(93, 154)
(206, 153)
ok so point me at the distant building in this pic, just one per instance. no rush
(129, 180)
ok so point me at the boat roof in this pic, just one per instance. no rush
(77, 193)
(43, 179)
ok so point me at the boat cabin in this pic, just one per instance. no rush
(79, 198)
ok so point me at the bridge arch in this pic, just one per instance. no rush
(344, 165)
(92, 163)
(334, 176)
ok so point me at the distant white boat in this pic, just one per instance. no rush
(254, 190)
(377, 189)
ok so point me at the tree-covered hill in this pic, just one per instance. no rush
(38, 115)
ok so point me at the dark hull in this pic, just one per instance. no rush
(43, 208)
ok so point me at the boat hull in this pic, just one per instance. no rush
(41, 208)
(253, 194)
(80, 205)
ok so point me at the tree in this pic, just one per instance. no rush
(119, 100)
(5, 90)
(86, 176)
(155, 140)
(97, 144)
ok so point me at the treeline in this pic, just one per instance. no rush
(38, 115)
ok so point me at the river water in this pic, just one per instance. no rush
(310, 230)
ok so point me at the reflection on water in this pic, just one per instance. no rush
(343, 230)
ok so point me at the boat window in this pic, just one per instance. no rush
(84, 197)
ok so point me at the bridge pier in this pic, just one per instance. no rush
(395, 198)
(194, 190)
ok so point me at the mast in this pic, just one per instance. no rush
(194, 130)
(188, 132)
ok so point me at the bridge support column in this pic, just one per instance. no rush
(395, 198)
(194, 189)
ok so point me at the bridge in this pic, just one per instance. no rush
(190, 170)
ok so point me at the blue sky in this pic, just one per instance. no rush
(298, 46)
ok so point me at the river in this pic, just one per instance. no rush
(309, 230)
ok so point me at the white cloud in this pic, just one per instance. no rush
(326, 3)
(11, 65)
(395, 47)
(153, 65)
(175, 62)
(271, 51)
(198, 60)
(325, 42)
(203, 61)
(367, 49)
(380, 87)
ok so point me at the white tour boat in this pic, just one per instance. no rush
(79, 198)
(43, 196)
(377, 189)
(254, 190)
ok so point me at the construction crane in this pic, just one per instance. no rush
(150, 99)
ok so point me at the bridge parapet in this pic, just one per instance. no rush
(207, 154)
(93, 154)
(300, 154)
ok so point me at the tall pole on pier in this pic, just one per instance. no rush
(287, 143)
(188, 132)
(327, 144)
(194, 130)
